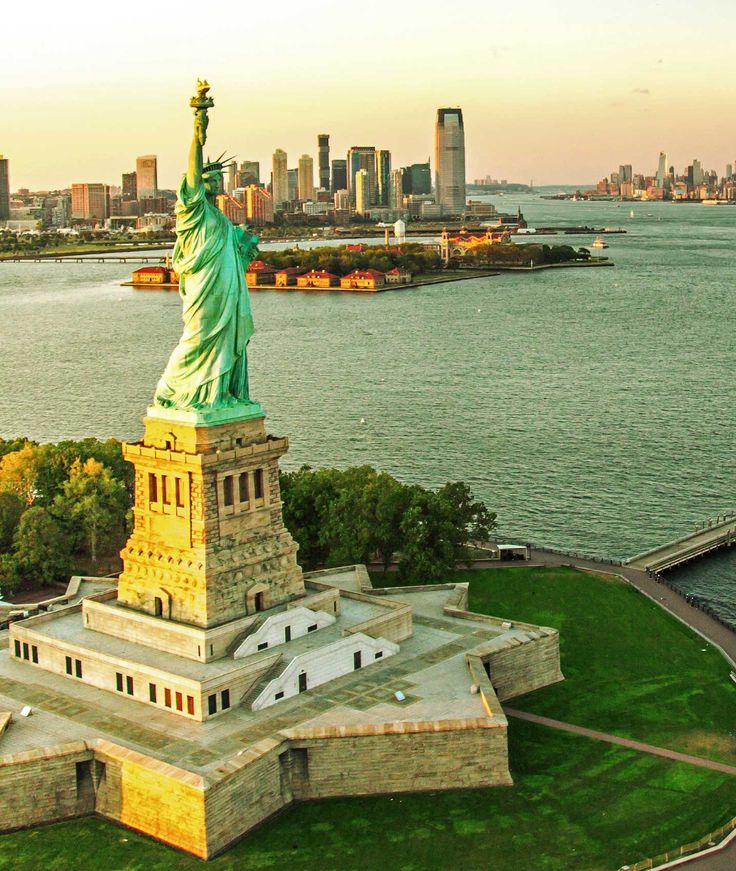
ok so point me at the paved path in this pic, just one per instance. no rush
(622, 742)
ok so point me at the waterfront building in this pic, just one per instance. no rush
(4, 188)
(90, 202)
(130, 186)
(339, 175)
(383, 177)
(305, 178)
(323, 151)
(146, 169)
(398, 275)
(287, 277)
(362, 157)
(663, 170)
(231, 208)
(260, 273)
(454, 246)
(280, 179)
(317, 278)
(363, 279)
(362, 192)
(449, 161)
(258, 205)
(154, 276)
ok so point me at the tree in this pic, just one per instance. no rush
(11, 509)
(19, 471)
(9, 574)
(93, 498)
(472, 520)
(428, 538)
(42, 547)
(306, 495)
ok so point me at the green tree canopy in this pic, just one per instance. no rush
(96, 501)
(11, 509)
(42, 548)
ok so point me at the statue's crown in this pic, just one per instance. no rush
(218, 165)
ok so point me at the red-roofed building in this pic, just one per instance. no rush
(457, 245)
(155, 275)
(287, 277)
(260, 273)
(355, 249)
(317, 278)
(398, 275)
(363, 279)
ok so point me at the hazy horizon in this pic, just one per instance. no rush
(545, 95)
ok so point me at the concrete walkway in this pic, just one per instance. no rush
(621, 742)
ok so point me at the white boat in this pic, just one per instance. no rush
(631, 213)
(599, 242)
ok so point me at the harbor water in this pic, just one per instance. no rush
(593, 409)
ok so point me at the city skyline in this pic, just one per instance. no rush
(552, 100)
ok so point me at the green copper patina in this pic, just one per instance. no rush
(206, 378)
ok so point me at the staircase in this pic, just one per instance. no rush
(252, 694)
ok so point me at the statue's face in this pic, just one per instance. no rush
(212, 183)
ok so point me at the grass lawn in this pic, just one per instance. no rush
(576, 803)
(630, 669)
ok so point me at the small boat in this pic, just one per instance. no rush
(599, 242)
(631, 213)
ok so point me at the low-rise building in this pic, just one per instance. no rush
(260, 273)
(457, 245)
(317, 278)
(363, 279)
(398, 275)
(287, 277)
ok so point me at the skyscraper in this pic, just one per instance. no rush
(449, 161)
(625, 173)
(306, 178)
(362, 191)
(339, 175)
(4, 188)
(280, 180)
(146, 169)
(323, 148)
(362, 157)
(396, 190)
(420, 177)
(249, 173)
(292, 176)
(383, 176)
(130, 186)
(90, 202)
(663, 169)
(697, 173)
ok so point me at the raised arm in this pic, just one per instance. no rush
(194, 169)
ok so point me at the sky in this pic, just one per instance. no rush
(556, 93)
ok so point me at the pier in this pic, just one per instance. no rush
(712, 535)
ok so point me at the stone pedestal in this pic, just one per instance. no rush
(209, 545)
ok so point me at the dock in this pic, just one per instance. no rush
(714, 534)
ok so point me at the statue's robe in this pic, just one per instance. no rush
(208, 368)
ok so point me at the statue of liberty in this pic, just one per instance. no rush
(208, 369)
